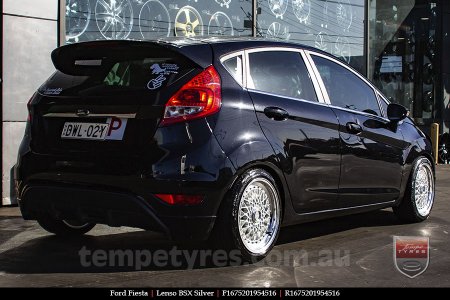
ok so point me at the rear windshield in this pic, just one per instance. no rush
(114, 77)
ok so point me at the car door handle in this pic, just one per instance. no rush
(276, 113)
(353, 128)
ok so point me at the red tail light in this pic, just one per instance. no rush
(174, 199)
(198, 98)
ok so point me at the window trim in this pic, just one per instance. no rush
(312, 75)
(310, 53)
(233, 55)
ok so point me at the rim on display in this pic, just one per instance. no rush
(344, 14)
(302, 9)
(224, 3)
(78, 14)
(114, 18)
(278, 31)
(278, 7)
(220, 24)
(188, 22)
(154, 20)
(342, 49)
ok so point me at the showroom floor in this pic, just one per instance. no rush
(348, 251)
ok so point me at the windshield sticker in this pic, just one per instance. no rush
(162, 71)
(53, 91)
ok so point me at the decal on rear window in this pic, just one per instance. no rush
(162, 71)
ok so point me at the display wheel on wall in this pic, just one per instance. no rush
(278, 7)
(342, 49)
(188, 22)
(321, 41)
(278, 31)
(220, 24)
(114, 18)
(77, 18)
(154, 20)
(302, 9)
(224, 3)
(344, 14)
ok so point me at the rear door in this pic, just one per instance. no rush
(106, 100)
(302, 130)
(372, 149)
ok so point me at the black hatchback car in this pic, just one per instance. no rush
(228, 139)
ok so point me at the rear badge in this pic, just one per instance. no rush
(411, 254)
(52, 91)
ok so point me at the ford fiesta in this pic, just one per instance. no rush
(221, 139)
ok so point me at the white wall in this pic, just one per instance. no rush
(29, 35)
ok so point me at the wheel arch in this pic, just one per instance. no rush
(413, 154)
(275, 171)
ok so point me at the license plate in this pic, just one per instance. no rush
(85, 131)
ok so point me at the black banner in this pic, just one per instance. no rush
(266, 293)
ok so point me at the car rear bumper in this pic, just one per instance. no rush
(111, 208)
(118, 189)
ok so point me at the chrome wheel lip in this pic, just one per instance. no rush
(258, 216)
(423, 189)
(75, 226)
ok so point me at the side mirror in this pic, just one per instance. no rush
(396, 112)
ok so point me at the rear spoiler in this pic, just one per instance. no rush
(83, 59)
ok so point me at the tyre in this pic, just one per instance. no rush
(419, 195)
(250, 218)
(64, 227)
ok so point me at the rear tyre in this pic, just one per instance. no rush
(64, 227)
(250, 218)
(419, 196)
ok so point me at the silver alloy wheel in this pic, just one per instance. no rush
(259, 216)
(74, 226)
(423, 189)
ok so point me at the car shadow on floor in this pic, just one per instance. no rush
(148, 251)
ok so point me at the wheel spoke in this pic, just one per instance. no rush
(105, 6)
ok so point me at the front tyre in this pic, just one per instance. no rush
(419, 196)
(65, 228)
(250, 220)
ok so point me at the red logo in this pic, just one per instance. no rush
(411, 254)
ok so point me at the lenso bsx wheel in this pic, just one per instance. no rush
(419, 196)
(64, 227)
(250, 219)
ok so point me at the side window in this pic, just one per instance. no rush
(234, 67)
(282, 73)
(345, 89)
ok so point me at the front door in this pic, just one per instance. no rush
(372, 149)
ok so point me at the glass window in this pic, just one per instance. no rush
(334, 26)
(234, 67)
(117, 76)
(282, 73)
(403, 55)
(87, 20)
(345, 89)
